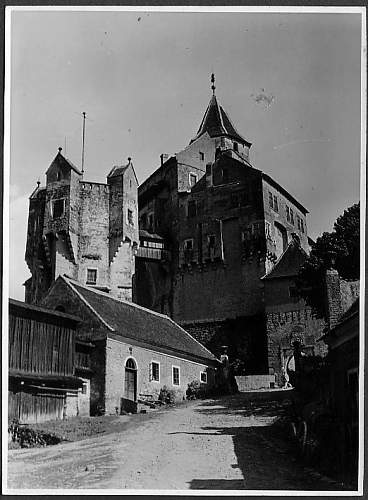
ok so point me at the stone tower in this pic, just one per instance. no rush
(86, 230)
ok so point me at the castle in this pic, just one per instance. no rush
(203, 240)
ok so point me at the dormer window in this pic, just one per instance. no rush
(57, 208)
(192, 179)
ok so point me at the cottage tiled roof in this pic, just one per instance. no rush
(288, 263)
(216, 123)
(135, 322)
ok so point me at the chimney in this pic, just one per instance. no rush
(333, 297)
(164, 157)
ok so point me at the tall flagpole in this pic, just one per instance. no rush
(83, 137)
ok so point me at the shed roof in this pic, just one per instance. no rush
(135, 322)
(22, 309)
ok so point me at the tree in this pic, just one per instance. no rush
(338, 249)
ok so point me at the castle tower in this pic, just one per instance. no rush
(123, 229)
(86, 230)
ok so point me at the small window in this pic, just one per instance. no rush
(291, 216)
(203, 377)
(302, 225)
(130, 217)
(236, 148)
(270, 199)
(192, 209)
(256, 228)
(246, 235)
(188, 244)
(211, 239)
(201, 156)
(275, 203)
(268, 229)
(287, 213)
(192, 179)
(155, 371)
(176, 375)
(58, 176)
(209, 168)
(84, 388)
(58, 207)
(91, 276)
(130, 183)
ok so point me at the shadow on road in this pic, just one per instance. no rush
(264, 455)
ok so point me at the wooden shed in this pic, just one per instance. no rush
(42, 381)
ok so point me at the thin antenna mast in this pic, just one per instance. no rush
(83, 136)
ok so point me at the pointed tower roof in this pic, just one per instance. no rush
(62, 161)
(216, 121)
(289, 263)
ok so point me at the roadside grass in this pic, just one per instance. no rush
(71, 429)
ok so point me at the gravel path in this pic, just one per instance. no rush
(213, 444)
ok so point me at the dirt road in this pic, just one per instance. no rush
(213, 444)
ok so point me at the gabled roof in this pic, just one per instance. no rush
(135, 322)
(120, 170)
(216, 123)
(288, 263)
(61, 160)
(36, 191)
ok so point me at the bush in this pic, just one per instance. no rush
(29, 438)
(167, 395)
(194, 390)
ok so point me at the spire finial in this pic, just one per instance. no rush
(129, 160)
(213, 83)
(60, 149)
(38, 182)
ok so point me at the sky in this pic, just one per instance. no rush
(290, 83)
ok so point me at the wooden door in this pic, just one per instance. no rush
(130, 384)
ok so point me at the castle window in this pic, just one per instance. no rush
(188, 244)
(235, 146)
(256, 228)
(275, 204)
(192, 179)
(211, 239)
(201, 156)
(91, 276)
(287, 213)
(130, 217)
(192, 209)
(270, 199)
(57, 208)
(291, 216)
(268, 229)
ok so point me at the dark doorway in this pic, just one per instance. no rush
(130, 388)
